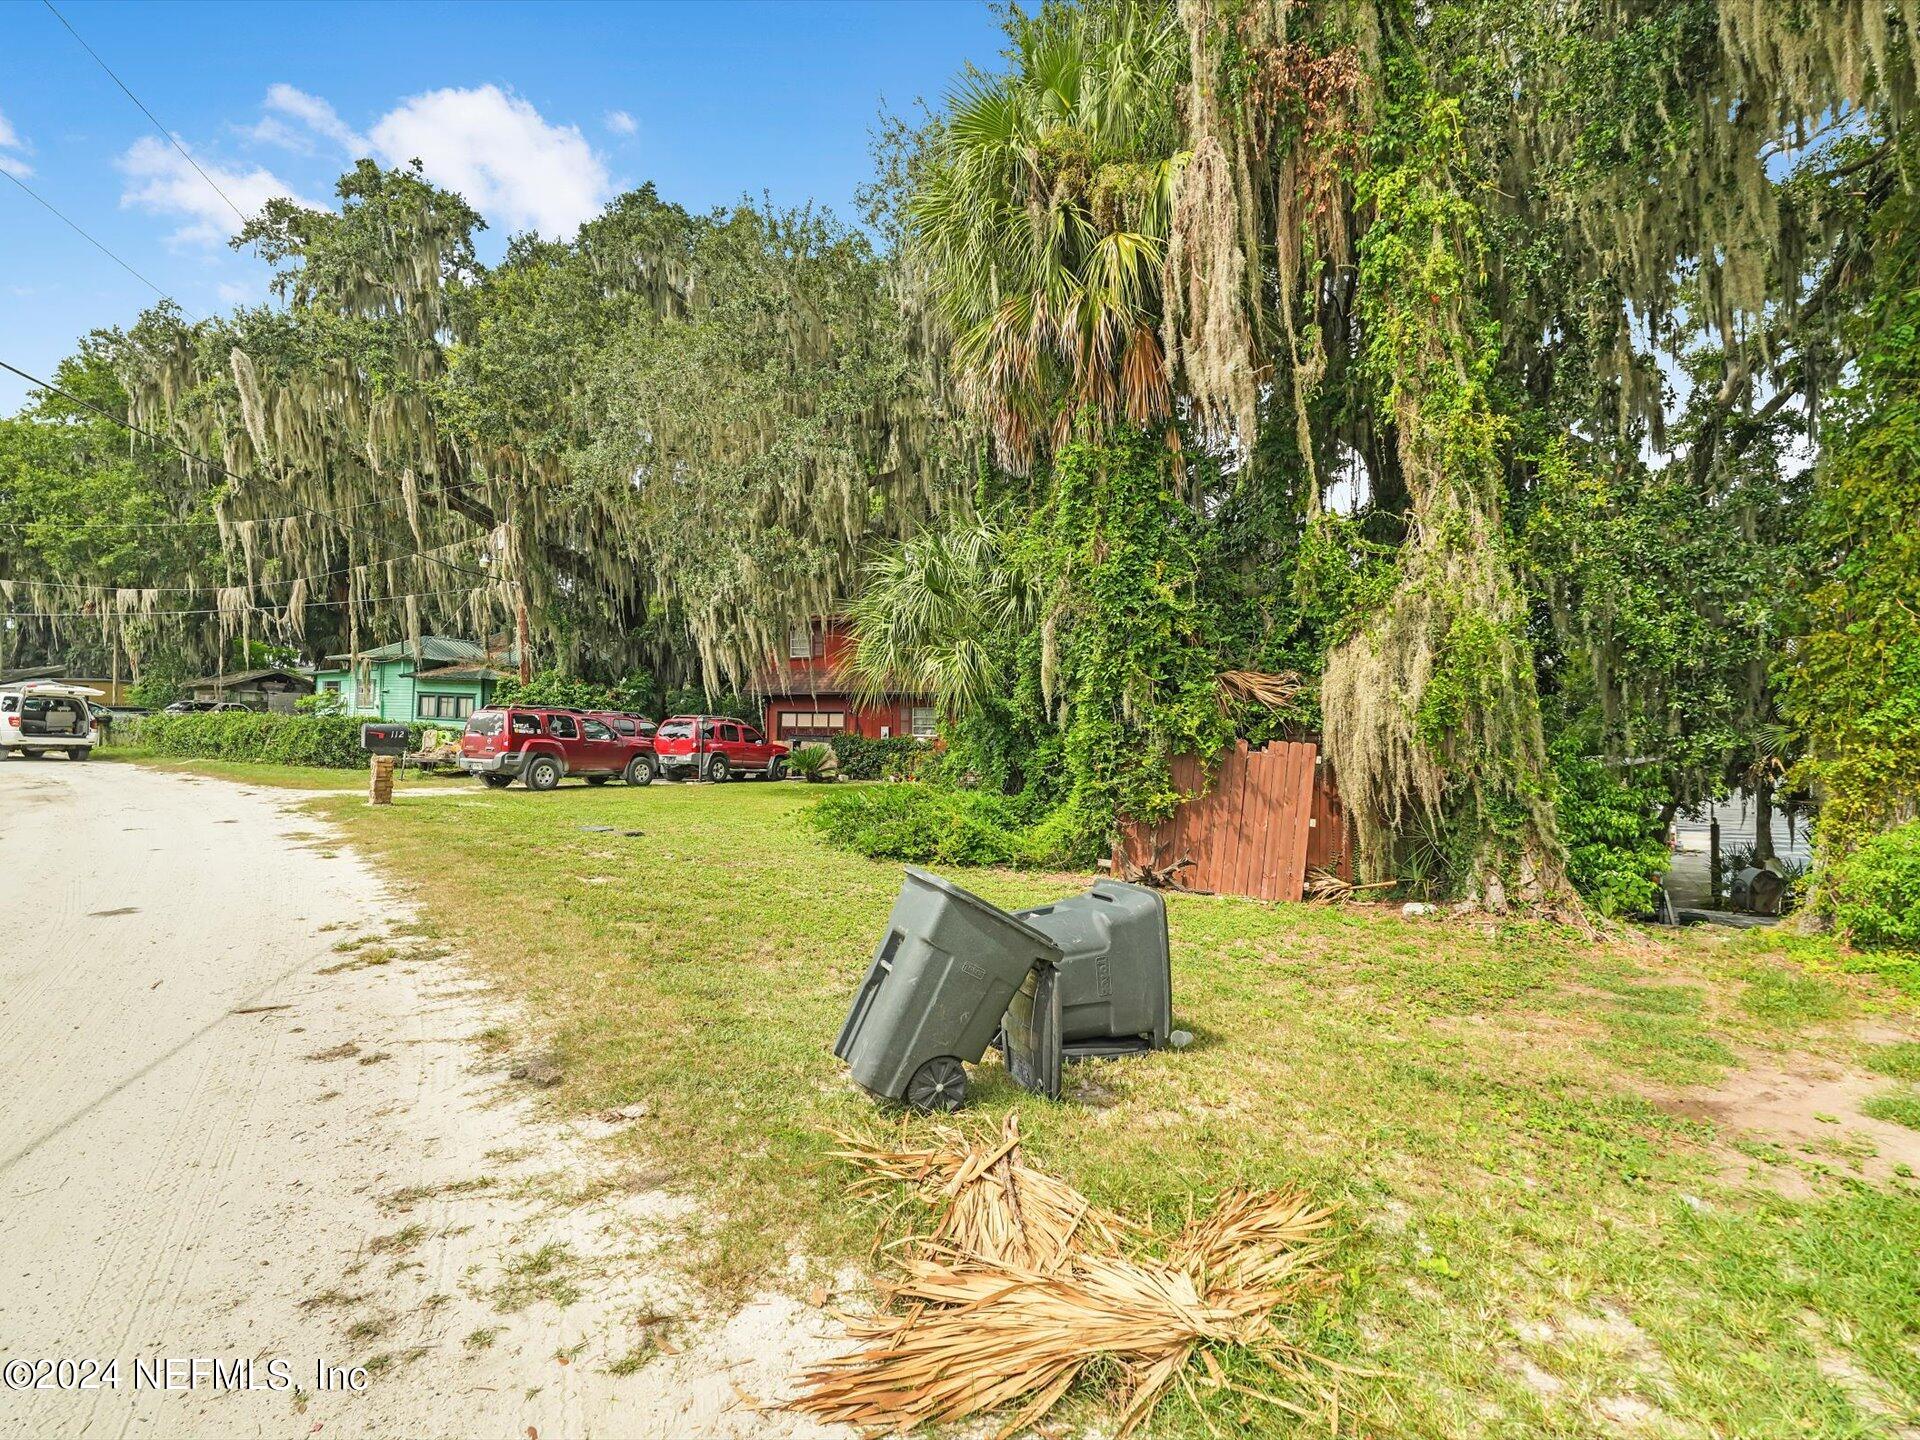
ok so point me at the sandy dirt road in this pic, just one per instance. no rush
(224, 1138)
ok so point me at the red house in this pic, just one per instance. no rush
(808, 693)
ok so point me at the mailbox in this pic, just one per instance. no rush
(385, 739)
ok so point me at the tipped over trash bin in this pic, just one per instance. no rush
(953, 974)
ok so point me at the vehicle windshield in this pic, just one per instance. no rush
(485, 722)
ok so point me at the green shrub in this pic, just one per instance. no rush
(329, 741)
(1615, 855)
(935, 824)
(550, 687)
(919, 824)
(809, 762)
(894, 757)
(1876, 891)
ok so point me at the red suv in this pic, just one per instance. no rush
(541, 743)
(715, 747)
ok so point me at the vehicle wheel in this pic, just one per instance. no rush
(598, 779)
(940, 1084)
(777, 770)
(85, 752)
(718, 770)
(543, 774)
(496, 782)
(639, 771)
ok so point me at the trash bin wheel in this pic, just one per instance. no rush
(940, 1084)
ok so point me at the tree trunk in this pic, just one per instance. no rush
(1763, 823)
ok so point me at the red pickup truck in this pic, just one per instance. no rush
(540, 744)
(715, 747)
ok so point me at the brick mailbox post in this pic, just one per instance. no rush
(385, 743)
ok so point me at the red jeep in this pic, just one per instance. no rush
(715, 747)
(541, 743)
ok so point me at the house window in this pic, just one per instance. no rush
(435, 706)
(806, 642)
(332, 687)
(812, 722)
(924, 722)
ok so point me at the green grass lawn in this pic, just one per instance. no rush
(285, 777)
(1539, 1238)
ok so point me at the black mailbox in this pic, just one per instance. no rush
(385, 739)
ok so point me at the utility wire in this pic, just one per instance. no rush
(73, 226)
(168, 134)
(188, 520)
(110, 587)
(214, 610)
(128, 425)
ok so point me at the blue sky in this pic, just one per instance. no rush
(536, 112)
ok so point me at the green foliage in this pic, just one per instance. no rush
(1128, 625)
(706, 702)
(895, 757)
(321, 702)
(328, 741)
(809, 762)
(1875, 891)
(1897, 1107)
(162, 681)
(926, 824)
(83, 513)
(919, 824)
(1852, 680)
(1615, 852)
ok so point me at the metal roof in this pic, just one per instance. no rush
(247, 677)
(434, 649)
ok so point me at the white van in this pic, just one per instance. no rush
(42, 715)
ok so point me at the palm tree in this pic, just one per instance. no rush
(1038, 221)
(929, 614)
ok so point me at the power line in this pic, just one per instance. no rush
(108, 612)
(189, 520)
(73, 226)
(108, 586)
(168, 134)
(128, 425)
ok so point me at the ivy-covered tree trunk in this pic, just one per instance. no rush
(1432, 715)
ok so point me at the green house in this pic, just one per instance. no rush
(444, 681)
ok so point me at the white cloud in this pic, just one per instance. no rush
(159, 179)
(317, 115)
(500, 154)
(10, 141)
(620, 122)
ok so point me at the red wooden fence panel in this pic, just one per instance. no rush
(1269, 816)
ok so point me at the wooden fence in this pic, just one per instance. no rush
(1269, 818)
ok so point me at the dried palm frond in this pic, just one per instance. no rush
(1328, 887)
(1273, 689)
(1024, 1282)
(993, 1204)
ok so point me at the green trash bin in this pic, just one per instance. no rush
(936, 992)
(1111, 993)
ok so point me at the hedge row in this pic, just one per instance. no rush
(332, 741)
(896, 757)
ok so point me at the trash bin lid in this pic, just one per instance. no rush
(966, 897)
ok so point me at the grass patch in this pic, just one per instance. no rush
(1790, 998)
(1899, 1107)
(1899, 1061)
(1483, 1100)
(532, 1275)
